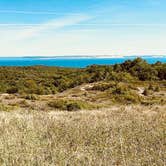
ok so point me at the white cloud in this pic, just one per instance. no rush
(14, 36)
(87, 42)
(33, 12)
(46, 39)
(51, 25)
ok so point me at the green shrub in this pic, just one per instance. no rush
(31, 97)
(120, 89)
(12, 90)
(73, 106)
(124, 94)
(5, 108)
(102, 86)
(24, 104)
(157, 89)
(150, 87)
(146, 92)
(127, 98)
(31, 84)
(58, 104)
(70, 105)
(121, 76)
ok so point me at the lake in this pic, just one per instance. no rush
(74, 62)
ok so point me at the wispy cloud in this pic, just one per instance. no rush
(54, 24)
(105, 25)
(36, 12)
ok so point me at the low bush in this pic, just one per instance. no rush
(127, 98)
(58, 104)
(157, 89)
(150, 87)
(70, 105)
(5, 108)
(120, 88)
(146, 92)
(102, 86)
(12, 90)
(24, 104)
(124, 94)
(31, 97)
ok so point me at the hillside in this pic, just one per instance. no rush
(50, 80)
(99, 115)
(94, 87)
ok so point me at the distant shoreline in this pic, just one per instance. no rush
(88, 56)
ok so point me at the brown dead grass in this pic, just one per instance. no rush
(119, 135)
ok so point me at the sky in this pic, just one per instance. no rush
(82, 27)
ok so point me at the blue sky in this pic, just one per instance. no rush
(82, 27)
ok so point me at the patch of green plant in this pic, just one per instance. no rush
(24, 103)
(153, 101)
(146, 92)
(6, 108)
(31, 97)
(122, 93)
(103, 86)
(12, 90)
(157, 89)
(70, 105)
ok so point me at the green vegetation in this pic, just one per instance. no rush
(31, 97)
(6, 108)
(50, 80)
(70, 105)
(122, 93)
(103, 86)
(146, 92)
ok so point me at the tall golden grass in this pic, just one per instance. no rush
(125, 135)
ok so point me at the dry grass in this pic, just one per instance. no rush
(125, 135)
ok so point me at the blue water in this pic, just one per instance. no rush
(74, 62)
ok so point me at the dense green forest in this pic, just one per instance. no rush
(50, 80)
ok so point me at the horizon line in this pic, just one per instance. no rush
(94, 56)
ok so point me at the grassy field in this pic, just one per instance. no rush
(102, 123)
(120, 135)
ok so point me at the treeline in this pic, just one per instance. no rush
(50, 80)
